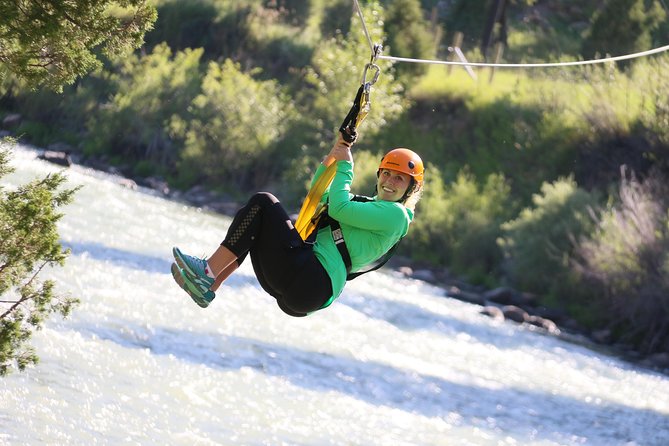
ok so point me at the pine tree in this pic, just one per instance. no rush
(28, 218)
(52, 43)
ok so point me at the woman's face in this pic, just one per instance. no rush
(392, 185)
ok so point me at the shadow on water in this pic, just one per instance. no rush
(523, 412)
(120, 257)
(141, 262)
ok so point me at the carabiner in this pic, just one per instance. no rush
(376, 74)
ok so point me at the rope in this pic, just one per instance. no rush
(505, 65)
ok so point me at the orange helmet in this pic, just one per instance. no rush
(405, 161)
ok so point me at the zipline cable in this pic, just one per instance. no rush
(530, 65)
(506, 65)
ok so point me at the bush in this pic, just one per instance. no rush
(626, 261)
(235, 127)
(151, 92)
(623, 27)
(409, 35)
(28, 218)
(456, 225)
(539, 243)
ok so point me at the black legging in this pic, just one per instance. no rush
(285, 266)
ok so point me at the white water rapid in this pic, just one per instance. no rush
(392, 362)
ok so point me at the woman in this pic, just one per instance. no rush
(305, 277)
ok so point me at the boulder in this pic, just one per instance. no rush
(493, 312)
(465, 296)
(11, 121)
(127, 182)
(515, 313)
(157, 184)
(423, 274)
(501, 295)
(60, 158)
(660, 360)
(603, 336)
(509, 296)
(546, 324)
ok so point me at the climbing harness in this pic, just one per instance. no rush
(325, 220)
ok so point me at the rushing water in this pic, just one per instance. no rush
(392, 362)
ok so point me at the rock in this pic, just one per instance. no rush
(494, 312)
(601, 336)
(515, 313)
(423, 274)
(11, 121)
(127, 182)
(465, 296)
(157, 184)
(406, 271)
(660, 360)
(546, 324)
(60, 158)
(501, 295)
(553, 314)
(509, 296)
(60, 147)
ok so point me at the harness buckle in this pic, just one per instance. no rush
(338, 236)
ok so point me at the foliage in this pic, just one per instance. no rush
(457, 224)
(151, 92)
(409, 35)
(623, 27)
(53, 43)
(235, 125)
(539, 243)
(28, 218)
(333, 80)
(654, 118)
(627, 262)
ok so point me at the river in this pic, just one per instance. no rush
(392, 362)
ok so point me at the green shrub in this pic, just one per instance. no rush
(333, 80)
(235, 126)
(151, 92)
(654, 119)
(457, 224)
(626, 261)
(539, 243)
(409, 35)
(623, 27)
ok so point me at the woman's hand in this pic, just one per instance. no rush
(341, 151)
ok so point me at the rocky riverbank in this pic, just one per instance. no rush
(503, 304)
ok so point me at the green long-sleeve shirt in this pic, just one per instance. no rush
(370, 229)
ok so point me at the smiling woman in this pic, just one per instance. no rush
(352, 233)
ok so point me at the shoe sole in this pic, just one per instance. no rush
(183, 282)
(192, 275)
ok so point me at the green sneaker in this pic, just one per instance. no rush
(182, 279)
(194, 269)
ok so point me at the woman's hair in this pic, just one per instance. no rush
(414, 197)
